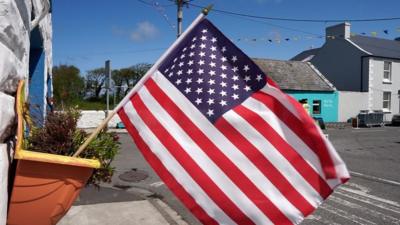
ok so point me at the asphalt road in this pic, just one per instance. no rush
(372, 196)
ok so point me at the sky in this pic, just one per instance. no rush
(86, 33)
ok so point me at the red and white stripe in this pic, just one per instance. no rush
(251, 167)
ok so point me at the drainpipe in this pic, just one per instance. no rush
(37, 19)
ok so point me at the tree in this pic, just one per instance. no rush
(95, 82)
(126, 78)
(68, 85)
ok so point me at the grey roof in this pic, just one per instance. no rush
(306, 55)
(294, 75)
(378, 46)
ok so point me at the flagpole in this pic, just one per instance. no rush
(141, 82)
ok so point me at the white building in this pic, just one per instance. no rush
(25, 54)
(365, 70)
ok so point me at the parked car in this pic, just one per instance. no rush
(396, 120)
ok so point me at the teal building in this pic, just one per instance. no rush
(303, 81)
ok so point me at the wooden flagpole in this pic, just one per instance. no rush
(141, 82)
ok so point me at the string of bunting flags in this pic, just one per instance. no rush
(278, 40)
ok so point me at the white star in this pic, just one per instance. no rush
(189, 80)
(210, 101)
(202, 54)
(223, 59)
(184, 49)
(194, 39)
(200, 71)
(202, 45)
(203, 38)
(210, 112)
(234, 58)
(223, 93)
(173, 66)
(235, 96)
(246, 78)
(223, 67)
(246, 68)
(191, 54)
(199, 90)
(212, 64)
(188, 90)
(223, 49)
(181, 64)
(247, 88)
(175, 59)
(223, 84)
(212, 73)
(190, 62)
(198, 101)
(193, 46)
(213, 48)
(211, 91)
(204, 31)
(259, 77)
(235, 69)
(212, 56)
(213, 40)
(235, 87)
(178, 82)
(190, 71)
(211, 81)
(222, 103)
(170, 74)
(199, 81)
(201, 62)
(235, 77)
(166, 70)
(179, 72)
(223, 75)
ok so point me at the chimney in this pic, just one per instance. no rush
(341, 30)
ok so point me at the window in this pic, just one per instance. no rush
(387, 71)
(316, 107)
(386, 101)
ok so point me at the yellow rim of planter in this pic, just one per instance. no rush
(40, 156)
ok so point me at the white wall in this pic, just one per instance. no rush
(15, 18)
(92, 118)
(4, 163)
(350, 104)
(377, 86)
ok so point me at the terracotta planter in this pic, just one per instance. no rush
(45, 185)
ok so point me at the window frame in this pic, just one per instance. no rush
(387, 71)
(319, 104)
(388, 101)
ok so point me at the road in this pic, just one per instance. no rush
(372, 196)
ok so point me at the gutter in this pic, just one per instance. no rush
(35, 22)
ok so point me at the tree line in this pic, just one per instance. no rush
(70, 87)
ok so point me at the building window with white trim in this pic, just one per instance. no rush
(386, 101)
(316, 107)
(387, 71)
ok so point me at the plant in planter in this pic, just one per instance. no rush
(47, 178)
(60, 136)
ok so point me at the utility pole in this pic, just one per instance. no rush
(180, 4)
(108, 84)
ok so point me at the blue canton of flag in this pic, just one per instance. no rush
(211, 71)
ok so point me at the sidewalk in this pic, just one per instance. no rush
(143, 212)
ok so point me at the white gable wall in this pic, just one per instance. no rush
(377, 86)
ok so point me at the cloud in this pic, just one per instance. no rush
(144, 30)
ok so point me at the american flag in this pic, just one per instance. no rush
(223, 137)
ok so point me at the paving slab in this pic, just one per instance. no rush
(142, 212)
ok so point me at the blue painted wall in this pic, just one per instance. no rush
(329, 103)
(37, 85)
